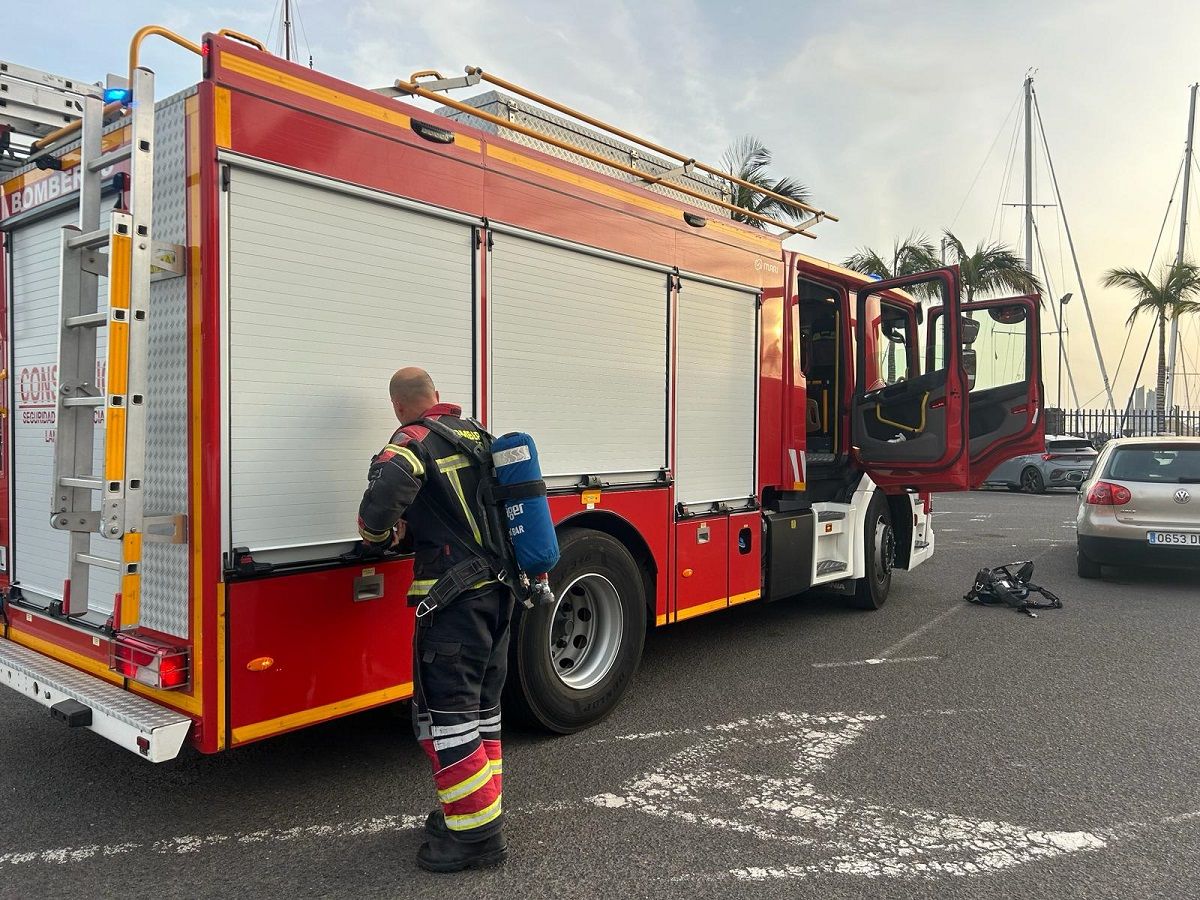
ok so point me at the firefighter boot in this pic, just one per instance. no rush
(445, 853)
(435, 822)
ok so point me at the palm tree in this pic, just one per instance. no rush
(910, 256)
(749, 159)
(991, 268)
(1174, 294)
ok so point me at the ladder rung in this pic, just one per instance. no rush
(91, 320)
(89, 240)
(87, 483)
(89, 560)
(111, 158)
(84, 401)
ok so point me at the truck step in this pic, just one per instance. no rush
(829, 566)
(139, 725)
(830, 515)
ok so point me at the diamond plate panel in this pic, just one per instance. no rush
(165, 592)
(593, 141)
(40, 564)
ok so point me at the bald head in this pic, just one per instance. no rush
(412, 393)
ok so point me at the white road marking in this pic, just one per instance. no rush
(721, 783)
(912, 636)
(874, 662)
(744, 723)
(192, 843)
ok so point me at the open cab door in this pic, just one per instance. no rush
(1001, 355)
(909, 420)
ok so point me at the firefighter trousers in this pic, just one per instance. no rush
(460, 660)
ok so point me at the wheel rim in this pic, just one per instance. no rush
(1029, 481)
(585, 631)
(885, 550)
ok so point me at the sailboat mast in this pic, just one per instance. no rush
(1087, 307)
(1029, 174)
(287, 30)
(1173, 340)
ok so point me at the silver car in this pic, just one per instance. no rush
(1141, 506)
(1066, 462)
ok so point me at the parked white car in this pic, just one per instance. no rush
(1066, 462)
(1141, 506)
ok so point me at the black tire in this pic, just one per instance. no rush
(879, 541)
(1015, 488)
(594, 568)
(1087, 568)
(1032, 481)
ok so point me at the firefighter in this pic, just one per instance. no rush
(424, 488)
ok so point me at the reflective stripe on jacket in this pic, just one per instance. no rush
(419, 472)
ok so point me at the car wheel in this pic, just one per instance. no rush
(871, 591)
(1031, 481)
(572, 660)
(1087, 568)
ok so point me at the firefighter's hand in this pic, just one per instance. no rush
(369, 550)
(398, 533)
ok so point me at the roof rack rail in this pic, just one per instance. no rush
(428, 88)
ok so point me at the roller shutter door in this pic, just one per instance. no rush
(328, 294)
(579, 361)
(717, 389)
(39, 561)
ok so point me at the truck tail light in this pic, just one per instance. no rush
(1105, 494)
(150, 662)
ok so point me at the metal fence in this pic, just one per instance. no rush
(1099, 425)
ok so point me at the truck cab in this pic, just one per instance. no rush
(900, 388)
(901, 381)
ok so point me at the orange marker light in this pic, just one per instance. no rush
(261, 664)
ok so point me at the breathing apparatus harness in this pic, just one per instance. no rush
(1001, 586)
(494, 557)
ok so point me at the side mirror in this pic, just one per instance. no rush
(969, 329)
(1007, 315)
(970, 365)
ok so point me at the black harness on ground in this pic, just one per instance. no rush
(493, 559)
(1002, 586)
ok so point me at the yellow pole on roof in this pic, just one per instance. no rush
(135, 46)
(413, 88)
(506, 85)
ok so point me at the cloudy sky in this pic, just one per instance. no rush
(898, 115)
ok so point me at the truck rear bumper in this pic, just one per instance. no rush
(139, 725)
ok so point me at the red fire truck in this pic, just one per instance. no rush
(204, 297)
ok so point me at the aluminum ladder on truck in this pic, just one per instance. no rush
(35, 103)
(124, 252)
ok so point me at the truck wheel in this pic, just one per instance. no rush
(879, 541)
(1087, 568)
(571, 661)
(1032, 482)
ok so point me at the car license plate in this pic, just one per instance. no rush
(1174, 538)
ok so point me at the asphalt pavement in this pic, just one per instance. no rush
(797, 749)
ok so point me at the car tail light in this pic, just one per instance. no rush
(1104, 493)
(1047, 456)
(150, 662)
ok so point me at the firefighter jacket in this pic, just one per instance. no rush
(425, 480)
